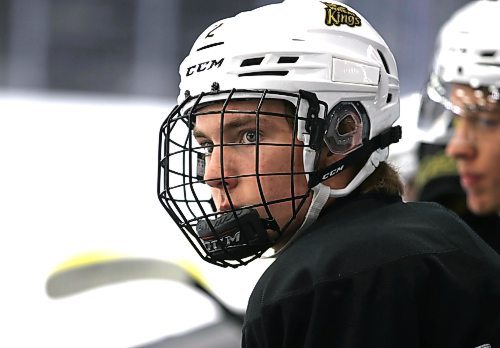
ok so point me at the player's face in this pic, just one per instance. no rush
(476, 147)
(240, 160)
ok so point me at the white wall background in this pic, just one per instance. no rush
(77, 175)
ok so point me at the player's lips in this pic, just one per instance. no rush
(470, 180)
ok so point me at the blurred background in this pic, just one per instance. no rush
(132, 47)
(84, 87)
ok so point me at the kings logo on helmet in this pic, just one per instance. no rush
(338, 15)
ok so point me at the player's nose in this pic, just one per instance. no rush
(461, 145)
(219, 168)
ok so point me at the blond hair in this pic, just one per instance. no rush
(385, 179)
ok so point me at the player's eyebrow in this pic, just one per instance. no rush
(198, 133)
(232, 123)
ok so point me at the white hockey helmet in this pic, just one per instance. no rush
(467, 52)
(325, 59)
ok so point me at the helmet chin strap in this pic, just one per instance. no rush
(369, 167)
(321, 193)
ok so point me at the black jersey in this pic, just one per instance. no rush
(376, 272)
(487, 227)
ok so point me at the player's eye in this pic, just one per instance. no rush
(483, 120)
(488, 121)
(250, 137)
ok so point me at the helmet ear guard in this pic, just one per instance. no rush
(345, 131)
(348, 126)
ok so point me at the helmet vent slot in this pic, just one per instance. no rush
(265, 73)
(211, 45)
(384, 61)
(289, 60)
(252, 61)
(488, 53)
(389, 98)
(490, 64)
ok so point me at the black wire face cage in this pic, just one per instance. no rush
(239, 234)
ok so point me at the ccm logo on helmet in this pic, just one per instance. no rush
(332, 173)
(204, 66)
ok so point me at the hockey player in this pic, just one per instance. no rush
(279, 143)
(460, 110)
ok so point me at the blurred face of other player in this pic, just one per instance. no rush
(476, 147)
(241, 161)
